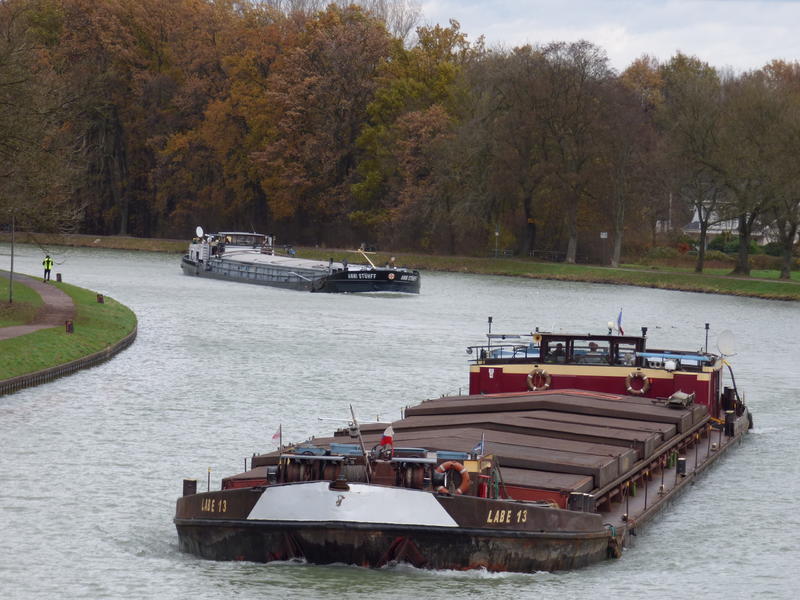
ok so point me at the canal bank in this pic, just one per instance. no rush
(71, 329)
(764, 284)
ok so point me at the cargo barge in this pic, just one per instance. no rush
(253, 258)
(513, 481)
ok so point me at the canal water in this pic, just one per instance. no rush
(91, 465)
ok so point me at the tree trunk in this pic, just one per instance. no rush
(701, 247)
(529, 241)
(743, 259)
(619, 222)
(788, 245)
(572, 230)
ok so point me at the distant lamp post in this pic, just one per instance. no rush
(11, 273)
(496, 237)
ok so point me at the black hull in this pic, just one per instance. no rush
(377, 280)
(369, 545)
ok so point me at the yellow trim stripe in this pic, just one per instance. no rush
(599, 371)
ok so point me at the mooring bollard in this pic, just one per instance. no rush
(68, 326)
(100, 299)
(58, 277)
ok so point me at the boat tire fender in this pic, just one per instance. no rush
(540, 375)
(452, 465)
(637, 375)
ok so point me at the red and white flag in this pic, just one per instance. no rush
(388, 437)
(278, 435)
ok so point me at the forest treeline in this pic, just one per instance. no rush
(340, 124)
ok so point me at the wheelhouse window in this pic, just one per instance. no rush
(624, 353)
(591, 352)
(240, 239)
(556, 350)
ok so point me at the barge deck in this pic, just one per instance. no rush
(526, 481)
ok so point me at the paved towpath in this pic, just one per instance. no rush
(58, 307)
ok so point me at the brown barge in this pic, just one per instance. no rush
(515, 481)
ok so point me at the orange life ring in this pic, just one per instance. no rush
(637, 375)
(452, 465)
(538, 373)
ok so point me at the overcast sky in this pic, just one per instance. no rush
(742, 34)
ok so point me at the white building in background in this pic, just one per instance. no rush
(719, 226)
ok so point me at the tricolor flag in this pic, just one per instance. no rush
(478, 450)
(388, 437)
(619, 323)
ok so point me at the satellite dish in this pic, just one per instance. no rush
(199, 231)
(726, 343)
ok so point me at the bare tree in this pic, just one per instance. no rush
(400, 16)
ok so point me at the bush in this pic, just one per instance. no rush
(716, 255)
(773, 249)
(657, 252)
(762, 261)
(730, 244)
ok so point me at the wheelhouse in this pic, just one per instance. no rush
(617, 364)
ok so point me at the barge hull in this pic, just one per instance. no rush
(377, 545)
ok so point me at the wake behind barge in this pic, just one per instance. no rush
(513, 481)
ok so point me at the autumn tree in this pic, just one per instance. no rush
(508, 115)
(753, 121)
(575, 75)
(414, 84)
(626, 152)
(783, 215)
(320, 91)
(37, 151)
(691, 117)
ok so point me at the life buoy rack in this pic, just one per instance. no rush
(535, 375)
(637, 391)
(452, 465)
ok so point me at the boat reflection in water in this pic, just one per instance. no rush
(551, 478)
(252, 258)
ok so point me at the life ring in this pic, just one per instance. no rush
(390, 276)
(452, 465)
(637, 375)
(538, 373)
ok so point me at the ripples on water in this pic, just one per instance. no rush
(91, 464)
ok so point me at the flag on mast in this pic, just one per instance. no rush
(619, 323)
(479, 448)
(278, 436)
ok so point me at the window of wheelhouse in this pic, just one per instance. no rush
(556, 350)
(623, 353)
(591, 351)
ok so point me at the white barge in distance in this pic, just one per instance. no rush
(251, 258)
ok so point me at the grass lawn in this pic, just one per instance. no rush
(26, 303)
(676, 278)
(97, 326)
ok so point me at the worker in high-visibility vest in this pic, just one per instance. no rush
(47, 263)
